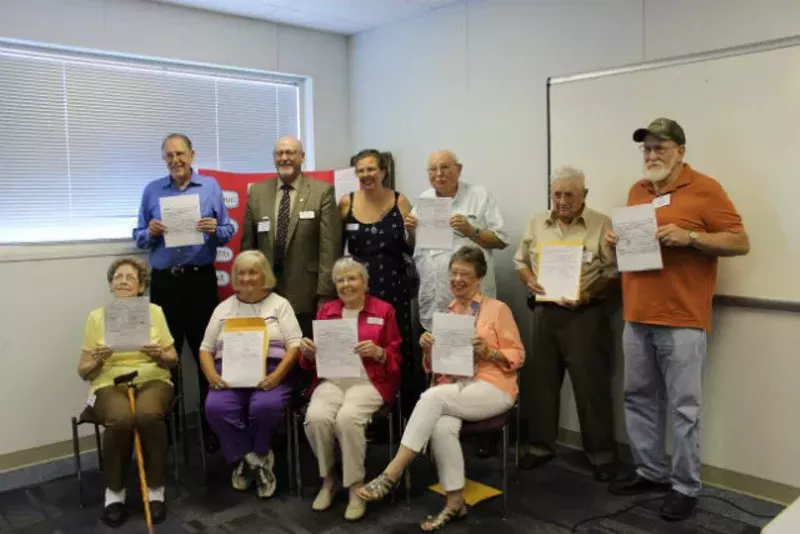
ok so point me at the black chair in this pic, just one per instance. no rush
(87, 416)
(384, 413)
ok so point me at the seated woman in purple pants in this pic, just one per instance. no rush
(245, 419)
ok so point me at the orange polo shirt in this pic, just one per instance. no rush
(680, 294)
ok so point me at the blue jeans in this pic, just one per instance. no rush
(664, 365)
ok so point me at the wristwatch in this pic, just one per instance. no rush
(692, 237)
(477, 233)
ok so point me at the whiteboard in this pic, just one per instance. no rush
(740, 109)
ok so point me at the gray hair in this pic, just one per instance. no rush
(569, 173)
(141, 271)
(345, 264)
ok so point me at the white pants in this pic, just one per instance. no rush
(437, 417)
(343, 415)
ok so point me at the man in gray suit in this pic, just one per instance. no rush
(295, 222)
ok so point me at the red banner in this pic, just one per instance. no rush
(234, 189)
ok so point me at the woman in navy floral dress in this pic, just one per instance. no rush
(374, 235)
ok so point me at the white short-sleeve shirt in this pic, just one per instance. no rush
(482, 212)
(282, 325)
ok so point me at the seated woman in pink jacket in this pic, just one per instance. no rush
(437, 417)
(342, 407)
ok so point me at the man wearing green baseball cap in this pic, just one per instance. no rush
(668, 315)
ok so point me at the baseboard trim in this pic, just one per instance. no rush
(717, 477)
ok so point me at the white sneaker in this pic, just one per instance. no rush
(265, 478)
(240, 479)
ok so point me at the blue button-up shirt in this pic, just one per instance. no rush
(211, 205)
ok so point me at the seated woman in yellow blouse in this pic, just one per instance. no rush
(128, 277)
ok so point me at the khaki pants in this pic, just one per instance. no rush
(578, 342)
(341, 414)
(112, 408)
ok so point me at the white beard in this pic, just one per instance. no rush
(657, 173)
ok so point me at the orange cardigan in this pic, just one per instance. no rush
(496, 325)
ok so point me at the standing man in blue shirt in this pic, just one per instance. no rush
(184, 281)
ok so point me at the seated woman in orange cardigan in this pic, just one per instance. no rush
(491, 391)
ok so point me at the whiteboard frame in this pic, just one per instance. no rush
(763, 46)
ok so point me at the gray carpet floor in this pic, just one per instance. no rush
(551, 499)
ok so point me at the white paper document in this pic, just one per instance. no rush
(559, 271)
(180, 215)
(345, 181)
(336, 341)
(433, 223)
(638, 248)
(243, 363)
(126, 323)
(453, 353)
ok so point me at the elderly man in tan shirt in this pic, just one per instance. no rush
(569, 335)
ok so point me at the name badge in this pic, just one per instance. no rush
(263, 226)
(90, 400)
(661, 201)
(351, 227)
(587, 256)
(375, 320)
(306, 215)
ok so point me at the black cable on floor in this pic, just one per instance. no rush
(653, 499)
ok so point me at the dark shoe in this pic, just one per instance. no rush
(114, 514)
(605, 472)
(636, 485)
(532, 461)
(678, 506)
(158, 511)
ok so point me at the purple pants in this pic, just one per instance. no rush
(245, 420)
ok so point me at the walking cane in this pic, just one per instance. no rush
(128, 378)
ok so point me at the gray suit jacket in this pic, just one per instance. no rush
(312, 244)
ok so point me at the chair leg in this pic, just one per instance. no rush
(298, 474)
(289, 447)
(407, 473)
(77, 453)
(99, 447)
(516, 439)
(505, 471)
(173, 422)
(391, 447)
(202, 439)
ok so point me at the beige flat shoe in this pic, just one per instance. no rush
(355, 509)
(325, 498)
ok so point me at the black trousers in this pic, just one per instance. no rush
(577, 342)
(188, 297)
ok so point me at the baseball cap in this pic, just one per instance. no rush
(663, 128)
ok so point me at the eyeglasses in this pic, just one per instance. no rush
(659, 150)
(281, 153)
(168, 156)
(119, 277)
(441, 168)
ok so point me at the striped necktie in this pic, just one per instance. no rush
(283, 226)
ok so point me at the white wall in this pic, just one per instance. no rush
(472, 78)
(46, 301)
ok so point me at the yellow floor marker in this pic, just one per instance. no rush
(474, 492)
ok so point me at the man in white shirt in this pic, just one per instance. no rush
(476, 220)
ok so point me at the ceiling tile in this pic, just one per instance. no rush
(339, 16)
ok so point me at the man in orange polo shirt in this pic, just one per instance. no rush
(668, 315)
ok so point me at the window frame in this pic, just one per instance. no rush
(104, 247)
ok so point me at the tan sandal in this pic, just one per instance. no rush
(443, 518)
(377, 488)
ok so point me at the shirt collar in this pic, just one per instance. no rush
(194, 181)
(476, 299)
(684, 178)
(371, 306)
(581, 218)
